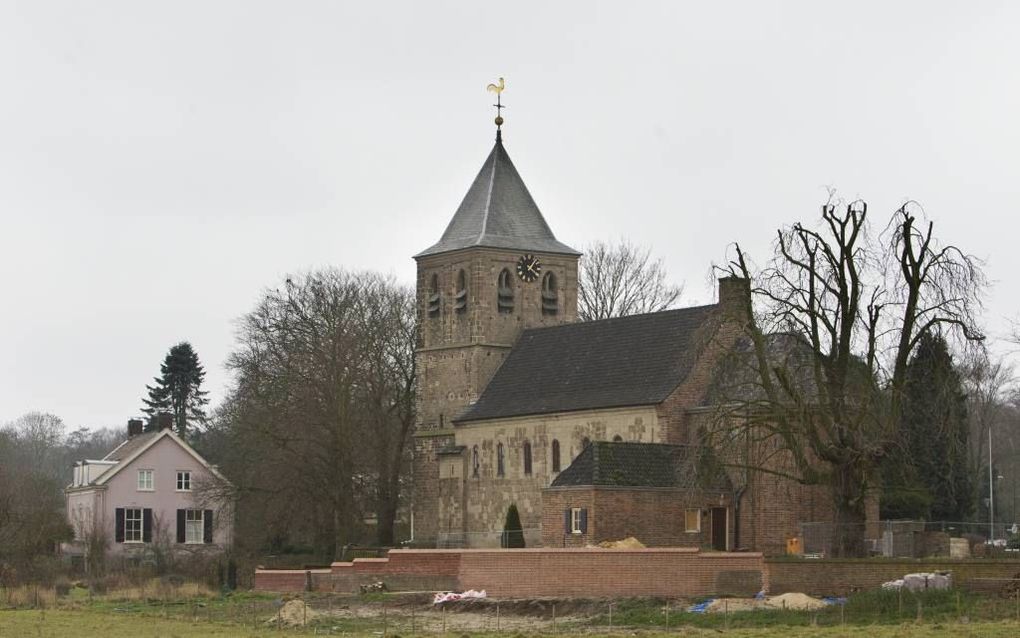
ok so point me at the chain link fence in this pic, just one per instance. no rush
(916, 539)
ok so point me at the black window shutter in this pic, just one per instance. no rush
(566, 521)
(118, 525)
(584, 521)
(207, 521)
(180, 526)
(146, 525)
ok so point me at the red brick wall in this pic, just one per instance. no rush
(674, 572)
(667, 572)
(288, 579)
(654, 516)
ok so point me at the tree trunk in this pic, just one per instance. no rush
(850, 514)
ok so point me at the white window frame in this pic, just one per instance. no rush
(191, 518)
(183, 480)
(140, 519)
(697, 517)
(575, 520)
(147, 485)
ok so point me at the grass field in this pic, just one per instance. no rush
(185, 612)
(58, 623)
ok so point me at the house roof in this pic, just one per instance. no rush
(627, 361)
(613, 464)
(498, 212)
(129, 446)
(134, 446)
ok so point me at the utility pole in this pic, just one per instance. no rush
(991, 491)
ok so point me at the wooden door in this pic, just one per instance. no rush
(719, 529)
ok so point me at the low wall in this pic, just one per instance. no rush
(841, 576)
(518, 573)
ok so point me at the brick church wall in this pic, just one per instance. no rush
(487, 496)
(654, 516)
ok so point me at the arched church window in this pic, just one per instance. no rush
(500, 460)
(527, 458)
(555, 456)
(474, 462)
(617, 439)
(434, 297)
(505, 292)
(461, 296)
(550, 295)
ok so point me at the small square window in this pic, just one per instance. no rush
(194, 526)
(132, 525)
(575, 520)
(183, 481)
(145, 481)
(692, 521)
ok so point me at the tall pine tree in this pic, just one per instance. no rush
(178, 390)
(933, 461)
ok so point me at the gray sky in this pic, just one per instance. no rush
(162, 163)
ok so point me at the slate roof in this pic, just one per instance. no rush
(128, 447)
(498, 212)
(644, 465)
(627, 361)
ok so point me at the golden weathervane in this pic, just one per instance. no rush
(498, 89)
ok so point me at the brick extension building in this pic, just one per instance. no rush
(512, 390)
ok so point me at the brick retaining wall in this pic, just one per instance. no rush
(836, 576)
(586, 573)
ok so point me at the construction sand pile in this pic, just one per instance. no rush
(792, 601)
(627, 543)
(294, 613)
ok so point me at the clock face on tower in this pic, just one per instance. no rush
(528, 268)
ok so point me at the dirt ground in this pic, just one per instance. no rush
(417, 613)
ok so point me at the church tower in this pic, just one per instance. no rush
(497, 270)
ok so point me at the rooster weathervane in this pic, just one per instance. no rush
(498, 90)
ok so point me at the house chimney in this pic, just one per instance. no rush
(164, 421)
(734, 295)
(134, 427)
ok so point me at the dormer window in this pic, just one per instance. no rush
(434, 298)
(505, 292)
(461, 297)
(550, 295)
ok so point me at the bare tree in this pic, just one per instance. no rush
(620, 280)
(317, 424)
(855, 306)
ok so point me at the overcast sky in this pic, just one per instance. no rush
(161, 163)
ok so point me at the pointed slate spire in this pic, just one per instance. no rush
(498, 212)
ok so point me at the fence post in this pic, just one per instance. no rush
(610, 615)
(497, 615)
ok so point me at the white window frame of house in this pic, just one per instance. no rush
(687, 521)
(183, 480)
(194, 527)
(575, 520)
(146, 480)
(129, 533)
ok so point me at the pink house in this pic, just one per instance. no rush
(153, 491)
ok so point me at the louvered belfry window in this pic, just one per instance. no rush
(550, 296)
(433, 299)
(461, 297)
(505, 292)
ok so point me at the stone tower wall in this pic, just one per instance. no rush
(459, 351)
